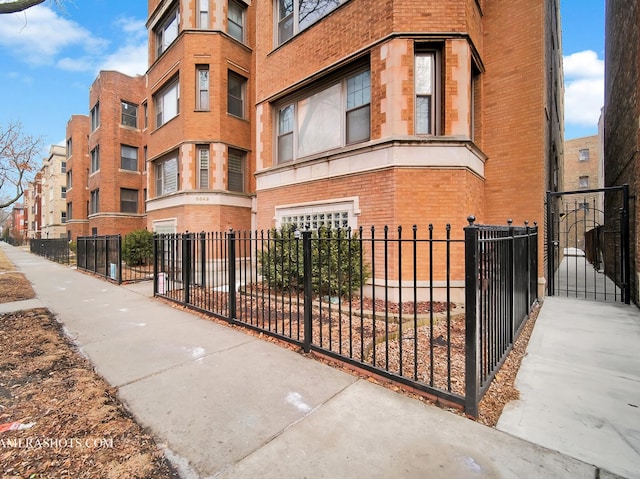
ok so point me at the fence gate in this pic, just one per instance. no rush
(588, 244)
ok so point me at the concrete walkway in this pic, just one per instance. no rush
(227, 404)
(580, 384)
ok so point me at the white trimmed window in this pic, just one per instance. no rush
(129, 114)
(235, 94)
(128, 200)
(95, 159)
(333, 214)
(583, 182)
(235, 20)
(202, 95)
(583, 154)
(94, 203)
(293, 16)
(167, 103)
(95, 117)
(336, 116)
(166, 175)
(425, 81)
(167, 30)
(128, 158)
(203, 167)
(203, 14)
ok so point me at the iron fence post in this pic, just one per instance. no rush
(624, 230)
(186, 267)
(306, 254)
(550, 247)
(472, 349)
(510, 286)
(119, 263)
(231, 238)
(155, 264)
(203, 259)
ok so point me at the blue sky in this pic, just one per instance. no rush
(50, 55)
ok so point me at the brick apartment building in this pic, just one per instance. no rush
(54, 193)
(582, 171)
(622, 114)
(33, 206)
(345, 112)
(77, 176)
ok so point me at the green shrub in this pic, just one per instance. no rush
(333, 255)
(73, 247)
(137, 248)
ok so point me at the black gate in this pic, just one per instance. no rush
(587, 247)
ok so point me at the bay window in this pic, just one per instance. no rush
(167, 30)
(167, 103)
(166, 175)
(293, 16)
(333, 117)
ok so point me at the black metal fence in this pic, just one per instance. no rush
(386, 301)
(54, 249)
(103, 256)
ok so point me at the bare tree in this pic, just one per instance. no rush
(19, 154)
(18, 5)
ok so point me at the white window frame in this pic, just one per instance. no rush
(95, 117)
(583, 154)
(426, 90)
(289, 21)
(203, 14)
(162, 100)
(583, 181)
(333, 213)
(129, 202)
(203, 158)
(95, 160)
(166, 180)
(233, 24)
(127, 159)
(129, 114)
(167, 30)
(94, 203)
(291, 130)
(203, 78)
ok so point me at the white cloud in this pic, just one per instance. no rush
(584, 88)
(38, 35)
(130, 59)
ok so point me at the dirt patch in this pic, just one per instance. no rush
(77, 428)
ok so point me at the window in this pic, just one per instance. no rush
(166, 175)
(583, 182)
(331, 118)
(203, 14)
(235, 20)
(129, 114)
(63, 167)
(69, 148)
(69, 179)
(94, 202)
(203, 167)
(235, 170)
(235, 95)
(314, 221)
(63, 192)
(128, 200)
(167, 103)
(167, 30)
(145, 109)
(128, 158)
(424, 89)
(95, 117)
(293, 16)
(63, 217)
(144, 166)
(69, 211)
(584, 206)
(583, 155)
(202, 95)
(95, 159)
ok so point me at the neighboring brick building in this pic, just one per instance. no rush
(54, 193)
(582, 171)
(77, 176)
(117, 174)
(33, 206)
(200, 115)
(400, 112)
(622, 116)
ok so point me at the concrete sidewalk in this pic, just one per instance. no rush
(227, 404)
(580, 384)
